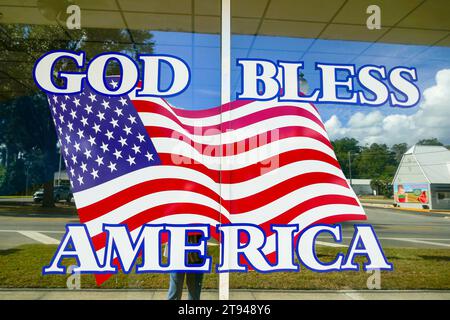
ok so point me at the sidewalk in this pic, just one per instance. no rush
(65, 294)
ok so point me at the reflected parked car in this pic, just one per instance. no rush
(59, 193)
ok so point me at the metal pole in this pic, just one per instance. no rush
(224, 278)
(26, 180)
(350, 167)
(60, 164)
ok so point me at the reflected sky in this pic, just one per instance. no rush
(202, 53)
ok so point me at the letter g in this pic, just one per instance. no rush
(44, 70)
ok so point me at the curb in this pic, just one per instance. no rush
(424, 212)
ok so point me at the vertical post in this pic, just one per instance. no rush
(350, 167)
(26, 179)
(60, 165)
(224, 278)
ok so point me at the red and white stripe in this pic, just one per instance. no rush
(200, 153)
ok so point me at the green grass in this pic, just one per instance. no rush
(413, 269)
(60, 209)
(15, 197)
(372, 197)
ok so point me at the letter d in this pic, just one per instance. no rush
(152, 76)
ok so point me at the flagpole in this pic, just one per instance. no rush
(224, 278)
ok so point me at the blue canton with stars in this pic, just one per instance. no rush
(101, 137)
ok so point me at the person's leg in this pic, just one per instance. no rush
(194, 285)
(175, 286)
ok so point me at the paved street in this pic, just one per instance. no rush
(394, 228)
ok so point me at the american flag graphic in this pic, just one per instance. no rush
(134, 160)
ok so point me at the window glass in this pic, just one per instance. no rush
(368, 139)
(31, 158)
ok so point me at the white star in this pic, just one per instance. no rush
(117, 154)
(149, 156)
(72, 172)
(140, 137)
(73, 113)
(131, 160)
(55, 98)
(123, 101)
(112, 166)
(61, 118)
(67, 138)
(76, 101)
(109, 134)
(123, 141)
(99, 161)
(96, 128)
(94, 174)
(84, 121)
(63, 106)
(80, 133)
(92, 97)
(88, 109)
(105, 104)
(104, 147)
(77, 146)
(127, 130)
(136, 149)
(114, 84)
(70, 126)
(66, 151)
(132, 119)
(83, 166)
(80, 180)
(60, 130)
(101, 116)
(74, 159)
(92, 140)
(66, 97)
(118, 111)
(114, 123)
(87, 153)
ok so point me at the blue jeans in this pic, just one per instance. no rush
(193, 282)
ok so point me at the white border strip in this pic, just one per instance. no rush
(39, 237)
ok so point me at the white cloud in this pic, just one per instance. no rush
(360, 120)
(432, 119)
(333, 126)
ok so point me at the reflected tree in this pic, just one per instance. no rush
(27, 133)
(430, 142)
